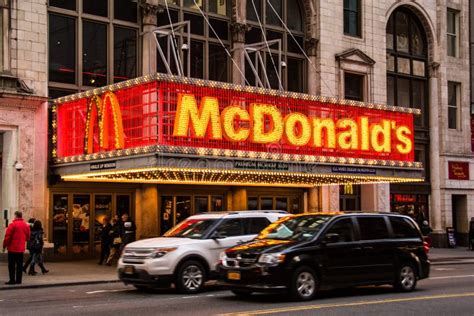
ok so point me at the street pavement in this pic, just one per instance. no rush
(449, 291)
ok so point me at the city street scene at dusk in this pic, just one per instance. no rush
(236, 157)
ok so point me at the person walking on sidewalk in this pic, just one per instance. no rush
(128, 230)
(36, 248)
(116, 241)
(105, 240)
(18, 232)
(31, 221)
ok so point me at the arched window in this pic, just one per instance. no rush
(407, 86)
(271, 13)
(407, 77)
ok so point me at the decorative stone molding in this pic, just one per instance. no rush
(433, 69)
(238, 31)
(355, 61)
(311, 45)
(150, 9)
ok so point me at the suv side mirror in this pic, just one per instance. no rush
(217, 235)
(331, 238)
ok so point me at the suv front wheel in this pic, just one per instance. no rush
(304, 284)
(406, 278)
(190, 277)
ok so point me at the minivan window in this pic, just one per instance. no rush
(403, 228)
(297, 228)
(255, 225)
(344, 229)
(372, 228)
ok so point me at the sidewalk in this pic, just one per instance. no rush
(444, 256)
(63, 273)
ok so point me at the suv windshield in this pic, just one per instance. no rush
(191, 228)
(298, 228)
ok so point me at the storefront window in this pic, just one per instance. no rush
(81, 223)
(413, 205)
(266, 203)
(60, 222)
(62, 49)
(252, 203)
(282, 203)
(94, 57)
(295, 206)
(166, 220)
(65, 4)
(126, 10)
(122, 204)
(125, 53)
(217, 204)
(183, 208)
(102, 209)
(201, 204)
(96, 7)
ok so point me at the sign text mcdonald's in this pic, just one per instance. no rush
(197, 114)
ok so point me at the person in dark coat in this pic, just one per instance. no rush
(31, 221)
(105, 240)
(471, 233)
(116, 239)
(36, 248)
(128, 230)
(18, 232)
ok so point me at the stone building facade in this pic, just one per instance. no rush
(23, 109)
(405, 53)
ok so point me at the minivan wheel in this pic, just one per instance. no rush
(190, 277)
(406, 278)
(304, 284)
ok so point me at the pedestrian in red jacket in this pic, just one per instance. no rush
(18, 232)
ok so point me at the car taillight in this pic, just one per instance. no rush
(426, 247)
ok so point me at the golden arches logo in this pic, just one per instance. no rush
(98, 112)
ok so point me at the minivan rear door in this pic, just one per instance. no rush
(378, 251)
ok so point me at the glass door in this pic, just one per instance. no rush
(81, 211)
(102, 209)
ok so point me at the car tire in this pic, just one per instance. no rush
(191, 277)
(304, 284)
(405, 279)
(242, 293)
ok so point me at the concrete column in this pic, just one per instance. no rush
(146, 211)
(9, 178)
(435, 207)
(238, 37)
(149, 9)
(375, 197)
(330, 198)
(239, 199)
(313, 199)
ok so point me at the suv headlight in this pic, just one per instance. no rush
(160, 252)
(271, 258)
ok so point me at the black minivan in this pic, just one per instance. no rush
(305, 253)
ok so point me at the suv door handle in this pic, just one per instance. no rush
(368, 248)
(357, 248)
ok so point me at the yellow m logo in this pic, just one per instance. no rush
(98, 112)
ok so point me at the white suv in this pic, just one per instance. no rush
(188, 253)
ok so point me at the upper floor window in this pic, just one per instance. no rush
(354, 86)
(92, 43)
(407, 58)
(453, 104)
(4, 45)
(352, 18)
(277, 20)
(208, 59)
(453, 32)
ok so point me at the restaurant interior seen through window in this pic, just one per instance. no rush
(91, 45)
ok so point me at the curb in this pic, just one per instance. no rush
(36, 286)
(451, 262)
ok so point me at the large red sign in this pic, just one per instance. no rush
(197, 115)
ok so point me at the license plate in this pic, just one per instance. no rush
(129, 270)
(233, 275)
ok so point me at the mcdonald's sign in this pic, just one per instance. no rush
(99, 111)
